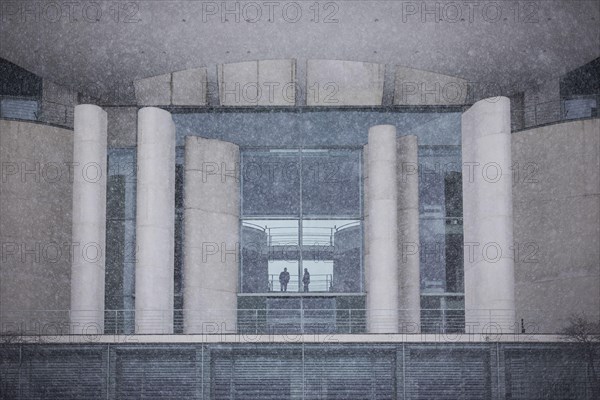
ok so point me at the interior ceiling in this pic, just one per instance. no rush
(102, 58)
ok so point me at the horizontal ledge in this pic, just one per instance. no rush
(322, 338)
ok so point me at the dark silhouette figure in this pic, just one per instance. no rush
(284, 278)
(306, 279)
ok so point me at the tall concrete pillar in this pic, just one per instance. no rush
(409, 279)
(155, 221)
(89, 219)
(488, 217)
(382, 234)
(212, 204)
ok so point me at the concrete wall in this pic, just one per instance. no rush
(35, 224)
(344, 83)
(556, 200)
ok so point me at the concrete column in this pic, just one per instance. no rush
(212, 204)
(409, 280)
(89, 219)
(382, 234)
(155, 220)
(488, 217)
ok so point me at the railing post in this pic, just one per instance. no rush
(350, 320)
(443, 330)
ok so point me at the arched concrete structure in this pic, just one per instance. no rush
(155, 222)
(258, 83)
(89, 219)
(212, 203)
(344, 83)
(487, 217)
(382, 232)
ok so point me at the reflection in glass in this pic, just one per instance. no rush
(330, 183)
(323, 233)
(329, 249)
(269, 247)
(270, 183)
(440, 210)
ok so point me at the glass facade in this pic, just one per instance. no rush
(301, 221)
(301, 208)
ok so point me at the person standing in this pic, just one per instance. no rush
(306, 279)
(284, 278)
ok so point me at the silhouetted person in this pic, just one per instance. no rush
(306, 279)
(284, 278)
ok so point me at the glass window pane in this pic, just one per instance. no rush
(331, 252)
(433, 255)
(331, 183)
(441, 255)
(120, 234)
(440, 181)
(270, 183)
(269, 247)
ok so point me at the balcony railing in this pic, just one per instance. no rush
(318, 283)
(267, 321)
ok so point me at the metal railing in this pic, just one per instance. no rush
(318, 283)
(311, 235)
(262, 321)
